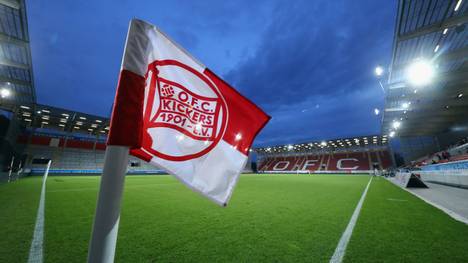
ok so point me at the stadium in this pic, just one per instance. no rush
(397, 195)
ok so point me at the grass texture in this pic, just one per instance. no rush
(270, 218)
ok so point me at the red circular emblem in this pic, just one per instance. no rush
(185, 115)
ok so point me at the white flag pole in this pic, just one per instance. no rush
(11, 168)
(106, 219)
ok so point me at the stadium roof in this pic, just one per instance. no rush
(42, 116)
(15, 55)
(434, 31)
(330, 145)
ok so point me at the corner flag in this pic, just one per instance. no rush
(171, 111)
(175, 113)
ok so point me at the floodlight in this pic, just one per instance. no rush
(392, 134)
(323, 143)
(378, 71)
(396, 124)
(5, 93)
(420, 73)
(290, 147)
(376, 111)
(405, 105)
(460, 95)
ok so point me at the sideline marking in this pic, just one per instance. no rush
(340, 249)
(35, 252)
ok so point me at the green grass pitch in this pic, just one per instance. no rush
(271, 218)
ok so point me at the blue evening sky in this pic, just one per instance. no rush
(308, 64)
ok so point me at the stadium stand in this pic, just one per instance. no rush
(71, 153)
(74, 153)
(456, 152)
(342, 155)
(352, 161)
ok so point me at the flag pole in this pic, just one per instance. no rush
(107, 216)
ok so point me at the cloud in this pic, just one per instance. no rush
(317, 53)
(309, 64)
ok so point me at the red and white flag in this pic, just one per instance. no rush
(176, 114)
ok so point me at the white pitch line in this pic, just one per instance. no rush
(340, 249)
(35, 252)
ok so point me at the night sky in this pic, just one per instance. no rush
(308, 64)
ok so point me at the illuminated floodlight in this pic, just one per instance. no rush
(405, 105)
(391, 134)
(5, 93)
(290, 147)
(436, 48)
(323, 143)
(376, 111)
(396, 124)
(460, 95)
(378, 71)
(420, 73)
(445, 31)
